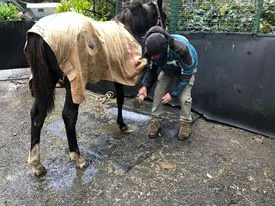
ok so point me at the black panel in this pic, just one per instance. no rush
(12, 41)
(235, 80)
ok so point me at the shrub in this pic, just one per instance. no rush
(8, 12)
(97, 10)
(225, 16)
(74, 5)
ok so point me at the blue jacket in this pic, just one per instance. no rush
(172, 63)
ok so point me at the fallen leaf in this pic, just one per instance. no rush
(260, 140)
(166, 165)
(209, 176)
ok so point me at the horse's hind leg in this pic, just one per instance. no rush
(120, 101)
(38, 115)
(69, 114)
(42, 86)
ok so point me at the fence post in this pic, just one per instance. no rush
(118, 6)
(174, 15)
(258, 15)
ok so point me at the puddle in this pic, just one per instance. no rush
(113, 128)
(57, 128)
(92, 155)
(169, 129)
(129, 115)
(67, 176)
(63, 176)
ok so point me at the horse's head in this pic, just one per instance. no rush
(139, 18)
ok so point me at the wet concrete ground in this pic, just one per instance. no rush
(218, 165)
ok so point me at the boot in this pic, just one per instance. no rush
(185, 130)
(154, 128)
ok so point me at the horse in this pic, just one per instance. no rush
(45, 66)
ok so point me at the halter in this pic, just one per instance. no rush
(147, 8)
(159, 22)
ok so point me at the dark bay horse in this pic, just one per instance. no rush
(46, 72)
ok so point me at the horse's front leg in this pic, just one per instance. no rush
(38, 115)
(69, 114)
(120, 101)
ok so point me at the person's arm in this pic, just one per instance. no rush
(150, 76)
(186, 60)
(147, 82)
(175, 92)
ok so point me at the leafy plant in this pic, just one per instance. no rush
(8, 12)
(103, 10)
(267, 24)
(265, 27)
(225, 16)
(74, 5)
(94, 9)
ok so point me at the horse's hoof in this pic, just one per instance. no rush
(138, 101)
(123, 127)
(79, 160)
(40, 171)
(82, 163)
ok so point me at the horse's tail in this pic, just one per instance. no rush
(44, 79)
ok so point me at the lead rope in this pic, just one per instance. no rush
(159, 22)
(147, 8)
(105, 98)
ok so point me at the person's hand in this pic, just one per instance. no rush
(166, 98)
(142, 91)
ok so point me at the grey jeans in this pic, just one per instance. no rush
(164, 84)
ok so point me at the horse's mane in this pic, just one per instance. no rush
(125, 17)
(137, 19)
(132, 5)
(135, 4)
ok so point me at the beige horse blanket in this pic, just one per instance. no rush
(88, 51)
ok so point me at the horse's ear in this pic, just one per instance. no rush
(162, 13)
(159, 2)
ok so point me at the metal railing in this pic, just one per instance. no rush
(244, 16)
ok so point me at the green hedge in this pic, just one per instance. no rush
(96, 9)
(8, 12)
(224, 15)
